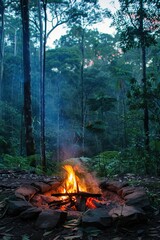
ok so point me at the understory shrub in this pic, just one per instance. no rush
(110, 163)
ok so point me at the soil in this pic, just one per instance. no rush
(14, 228)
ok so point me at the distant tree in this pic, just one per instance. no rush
(29, 140)
(137, 22)
(65, 62)
(89, 14)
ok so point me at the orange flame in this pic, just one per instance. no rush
(72, 183)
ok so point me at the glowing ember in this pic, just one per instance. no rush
(72, 183)
(92, 202)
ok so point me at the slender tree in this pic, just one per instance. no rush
(30, 145)
(42, 78)
(43, 112)
(144, 73)
(1, 44)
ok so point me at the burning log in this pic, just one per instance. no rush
(79, 202)
(83, 194)
(77, 199)
(59, 202)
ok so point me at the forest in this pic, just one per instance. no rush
(79, 120)
(93, 95)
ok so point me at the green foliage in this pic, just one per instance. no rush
(134, 159)
(15, 162)
(137, 23)
(9, 129)
(96, 126)
(102, 102)
(153, 193)
(18, 162)
(104, 164)
(131, 160)
(106, 78)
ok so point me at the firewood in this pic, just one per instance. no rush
(83, 194)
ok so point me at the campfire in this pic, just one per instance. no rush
(78, 194)
(78, 190)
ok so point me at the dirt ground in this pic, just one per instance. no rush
(14, 228)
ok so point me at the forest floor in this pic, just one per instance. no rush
(14, 228)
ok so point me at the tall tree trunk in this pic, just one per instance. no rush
(146, 114)
(82, 93)
(123, 94)
(42, 107)
(144, 81)
(58, 120)
(30, 145)
(1, 45)
(42, 91)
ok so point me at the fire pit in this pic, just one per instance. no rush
(78, 195)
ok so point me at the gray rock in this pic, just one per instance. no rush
(74, 215)
(138, 198)
(113, 186)
(127, 214)
(126, 190)
(16, 207)
(27, 191)
(49, 219)
(55, 185)
(96, 217)
(43, 187)
(30, 213)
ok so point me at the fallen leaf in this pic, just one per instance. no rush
(47, 233)
(73, 237)
(92, 231)
(128, 230)
(67, 226)
(154, 235)
(72, 223)
(6, 234)
(56, 237)
(2, 228)
(116, 238)
(7, 230)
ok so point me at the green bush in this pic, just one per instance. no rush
(15, 162)
(130, 160)
(24, 163)
(104, 164)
